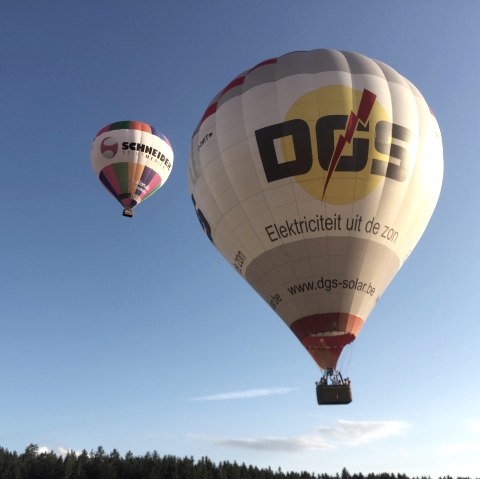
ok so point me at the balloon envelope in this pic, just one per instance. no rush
(132, 160)
(315, 174)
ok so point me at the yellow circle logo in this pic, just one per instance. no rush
(342, 123)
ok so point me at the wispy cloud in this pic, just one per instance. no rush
(273, 444)
(461, 448)
(464, 448)
(361, 432)
(475, 425)
(342, 433)
(250, 393)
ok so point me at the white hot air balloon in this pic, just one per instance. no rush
(315, 174)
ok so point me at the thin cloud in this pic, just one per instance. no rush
(361, 432)
(342, 433)
(461, 448)
(475, 425)
(250, 393)
(464, 448)
(273, 444)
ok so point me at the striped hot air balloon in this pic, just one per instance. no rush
(132, 160)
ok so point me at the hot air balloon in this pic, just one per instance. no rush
(315, 174)
(132, 160)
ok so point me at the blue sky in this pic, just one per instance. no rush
(136, 334)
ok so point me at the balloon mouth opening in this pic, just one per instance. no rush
(325, 335)
(327, 325)
(328, 340)
(326, 350)
(127, 200)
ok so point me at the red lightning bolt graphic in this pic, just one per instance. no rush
(366, 104)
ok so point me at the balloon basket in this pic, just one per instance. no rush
(334, 394)
(127, 212)
(333, 389)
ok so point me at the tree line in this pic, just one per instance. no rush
(34, 464)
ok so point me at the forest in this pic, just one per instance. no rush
(35, 464)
